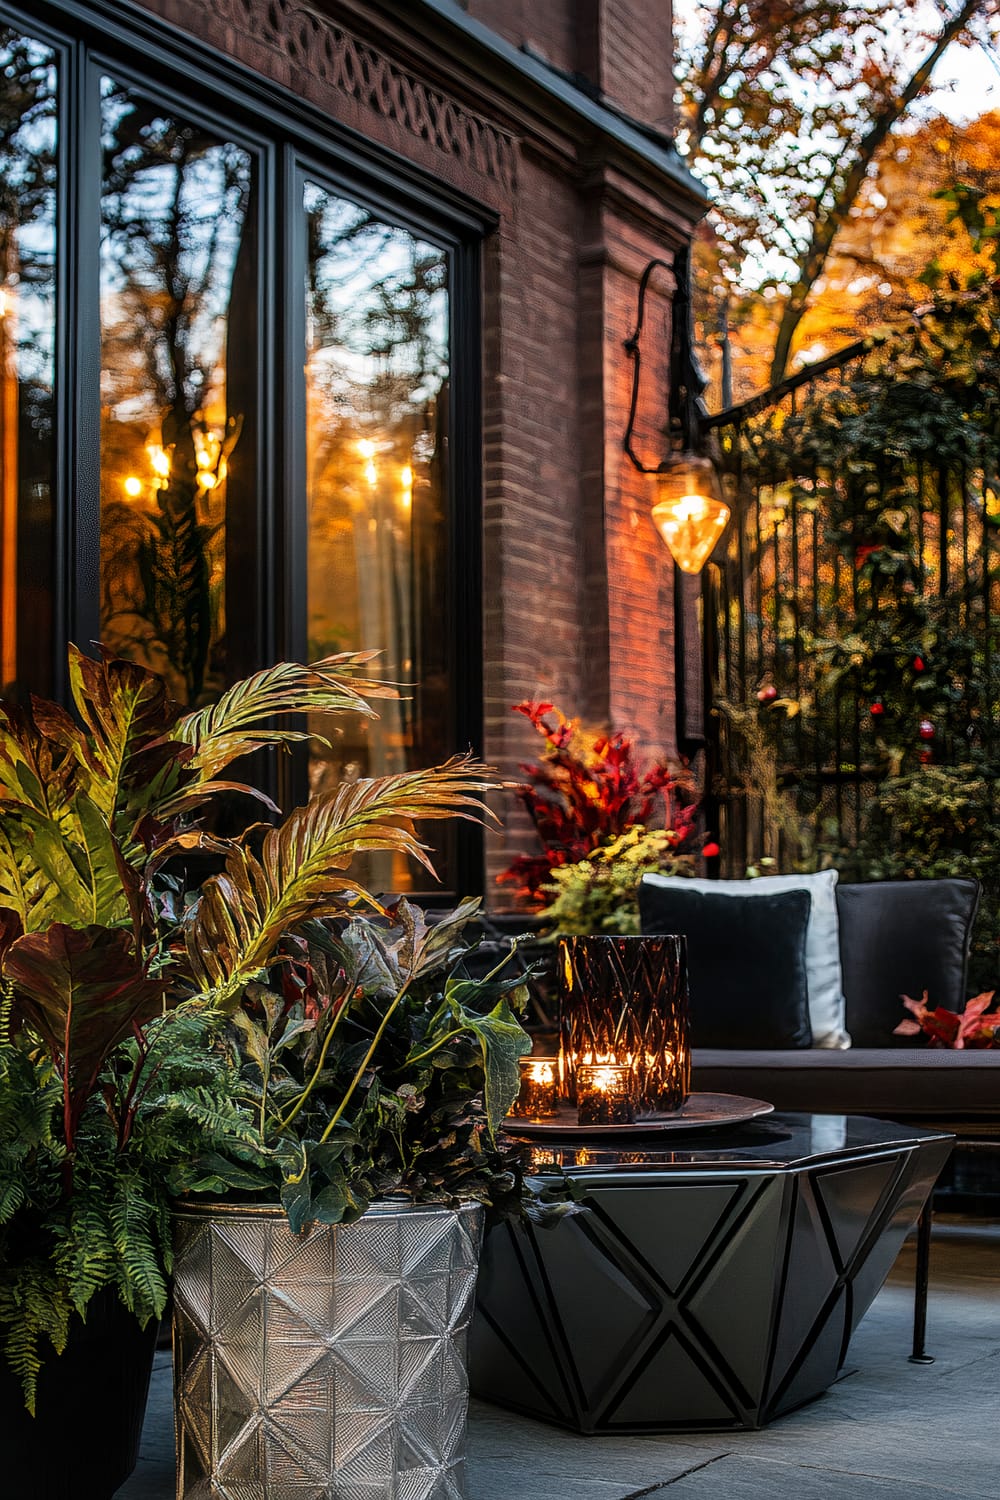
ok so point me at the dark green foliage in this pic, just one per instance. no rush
(118, 1089)
(173, 1092)
(375, 1066)
(885, 652)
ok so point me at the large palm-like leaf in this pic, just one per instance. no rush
(35, 770)
(82, 989)
(81, 877)
(233, 726)
(233, 931)
(125, 713)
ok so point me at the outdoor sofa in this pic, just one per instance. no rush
(809, 1025)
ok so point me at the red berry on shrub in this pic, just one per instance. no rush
(710, 850)
(918, 664)
(767, 694)
(926, 729)
(877, 708)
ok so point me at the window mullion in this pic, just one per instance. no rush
(78, 507)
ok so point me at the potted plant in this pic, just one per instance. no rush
(121, 1090)
(320, 1315)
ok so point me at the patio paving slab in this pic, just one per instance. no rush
(886, 1430)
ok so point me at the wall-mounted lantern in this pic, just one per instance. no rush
(688, 509)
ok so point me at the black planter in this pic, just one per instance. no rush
(84, 1441)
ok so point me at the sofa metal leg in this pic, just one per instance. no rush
(919, 1357)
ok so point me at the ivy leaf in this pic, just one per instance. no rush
(502, 1040)
(212, 1173)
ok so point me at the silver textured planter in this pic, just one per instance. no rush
(329, 1365)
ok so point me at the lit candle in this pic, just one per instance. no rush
(604, 1094)
(539, 1095)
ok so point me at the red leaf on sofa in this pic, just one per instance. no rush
(974, 1027)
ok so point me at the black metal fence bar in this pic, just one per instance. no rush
(789, 578)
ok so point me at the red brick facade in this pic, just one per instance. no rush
(578, 596)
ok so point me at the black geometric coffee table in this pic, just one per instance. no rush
(707, 1286)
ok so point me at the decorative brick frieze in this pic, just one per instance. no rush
(312, 42)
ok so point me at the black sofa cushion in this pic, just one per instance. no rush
(901, 937)
(926, 1083)
(746, 963)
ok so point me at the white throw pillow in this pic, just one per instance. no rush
(824, 980)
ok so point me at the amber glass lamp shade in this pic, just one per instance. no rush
(689, 511)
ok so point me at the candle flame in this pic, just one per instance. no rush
(541, 1072)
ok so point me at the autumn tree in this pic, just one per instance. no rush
(786, 107)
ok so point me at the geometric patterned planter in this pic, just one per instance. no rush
(331, 1363)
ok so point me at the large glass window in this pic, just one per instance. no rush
(28, 104)
(173, 448)
(377, 376)
(231, 398)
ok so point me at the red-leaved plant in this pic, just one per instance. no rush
(975, 1026)
(586, 789)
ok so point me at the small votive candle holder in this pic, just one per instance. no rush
(604, 1094)
(539, 1093)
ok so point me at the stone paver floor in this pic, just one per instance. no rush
(887, 1429)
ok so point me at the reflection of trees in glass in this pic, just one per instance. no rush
(174, 206)
(28, 84)
(376, 398)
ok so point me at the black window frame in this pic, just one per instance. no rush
(290, 137)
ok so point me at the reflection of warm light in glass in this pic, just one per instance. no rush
(406, 480)
(540, 1156)
(604, 1094)
(207, 479)
(203, 458)
(366, 448)
(371, 473)
(159, 459)
(132, 487)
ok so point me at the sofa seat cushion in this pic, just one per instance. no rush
(924, 1083)
(902, 937)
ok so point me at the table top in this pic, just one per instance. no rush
(781, 1142)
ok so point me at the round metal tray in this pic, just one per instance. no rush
(698, 1112)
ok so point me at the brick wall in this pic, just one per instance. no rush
(624, 48)
(578, 588)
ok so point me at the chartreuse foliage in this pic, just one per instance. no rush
(601, 893)
(145, 1051)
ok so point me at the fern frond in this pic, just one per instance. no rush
(85, 1258)
(140, 1278)
(13, 1195)
(33, 1305)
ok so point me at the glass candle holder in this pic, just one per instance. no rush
(539, 1092)
(604, 1094)
(624, 999)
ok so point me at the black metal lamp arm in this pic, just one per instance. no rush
(631, 346)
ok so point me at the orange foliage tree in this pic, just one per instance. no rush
(787, 105)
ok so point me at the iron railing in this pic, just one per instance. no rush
(790, 583)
